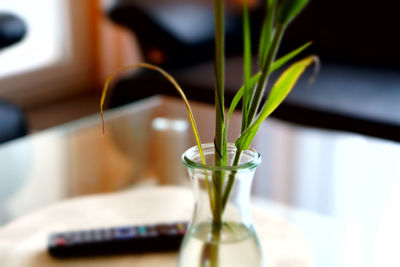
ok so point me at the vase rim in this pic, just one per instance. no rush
(255, 159)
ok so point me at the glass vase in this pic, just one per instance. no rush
(221, 233)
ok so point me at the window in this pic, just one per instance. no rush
(54, 59)
(42, 45)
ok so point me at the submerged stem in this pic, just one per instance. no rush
(210, 251)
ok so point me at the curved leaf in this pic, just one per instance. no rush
(286, 58)
(171, 80)
(253, 81)
(289, 9)
(181, 93)
(244, 141)
(278, 93)
(236, 99)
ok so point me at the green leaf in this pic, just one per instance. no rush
(244, 141)
(167, 76)
(230, 227)
(235, 102)
(267, 32)
(253, 81)
(286, 58)
(278, 93)
(265, 71)
(289, 9)
(236, 99)
(247, 62)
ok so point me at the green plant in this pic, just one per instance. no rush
(279, 14)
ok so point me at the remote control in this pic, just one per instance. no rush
(117, 240)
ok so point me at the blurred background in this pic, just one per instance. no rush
(56, 56)
(55, 69)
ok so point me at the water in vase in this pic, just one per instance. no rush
(236, 246)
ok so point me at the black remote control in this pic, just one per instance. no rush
(117, 240)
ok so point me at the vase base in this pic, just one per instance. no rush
(235, 246)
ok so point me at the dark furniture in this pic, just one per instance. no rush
(358, 88)
(12, 29)
(12, 118)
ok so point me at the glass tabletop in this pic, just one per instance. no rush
(341, 190)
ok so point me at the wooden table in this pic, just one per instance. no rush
(23, 241)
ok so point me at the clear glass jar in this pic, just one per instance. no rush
(221, 232)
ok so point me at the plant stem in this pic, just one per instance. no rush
(262, 84)
(219, 139)
(215, 248)
(217, 215)
(219, 76)
(210, 251)
(231, 180)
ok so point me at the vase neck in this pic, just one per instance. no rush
(222, 192)
(233, 208)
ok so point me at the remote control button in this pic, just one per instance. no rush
(152, 231)
(181, 232)
(172, 231)
(86, 236)
(97, 235)
(162, 229)
(69, 237)
(142, 230)
(167, 230)
(107, 234)
(181, 226)
(124, 233)
(61, 242)
(77, 237)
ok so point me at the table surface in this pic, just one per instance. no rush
(23, 242)
(342, 189)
